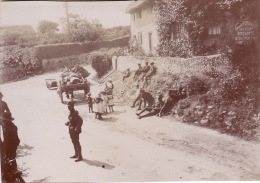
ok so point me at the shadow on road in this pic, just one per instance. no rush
(99, 164)
(110, 119)
(24, 150)
(45, 179)
(118, 112)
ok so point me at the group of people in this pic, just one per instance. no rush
(10, 140)
(159, 107)
(143, 73)
(97, 105)
(104, 101)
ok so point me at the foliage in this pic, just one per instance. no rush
(81, 29)
(195, 16)
(100, 62)
(196, 86)
(14, 52)
(22, 35)
(116, 32)
(47, 32)
(134, 48)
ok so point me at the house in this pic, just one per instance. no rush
(143, 24)
(144, 16)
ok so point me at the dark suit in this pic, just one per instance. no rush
(75, 122)
(11, 140)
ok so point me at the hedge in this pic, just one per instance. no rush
(63, 50)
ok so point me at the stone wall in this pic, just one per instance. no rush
(174, 65)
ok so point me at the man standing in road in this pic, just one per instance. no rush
(74, 124)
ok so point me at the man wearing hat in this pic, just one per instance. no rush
(155, 109)
(11, 139)
(146, 68)
(149, 73)
(74, 124)
(3, 105)
(138, 71)
(172, 99)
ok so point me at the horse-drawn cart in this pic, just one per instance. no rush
(70, 88)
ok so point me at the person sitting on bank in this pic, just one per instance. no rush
(146, 98)
(172, 99)
(146, 68)
(150, 73)
(127, 74)
(155, 109)
(138, 71)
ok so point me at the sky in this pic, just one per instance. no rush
(109, 13)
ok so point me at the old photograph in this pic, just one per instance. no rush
(130, 91)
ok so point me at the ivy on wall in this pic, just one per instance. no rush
(195, 17)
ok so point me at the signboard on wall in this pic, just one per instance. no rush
(246, 32)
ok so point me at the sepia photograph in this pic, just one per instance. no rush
(129, 91)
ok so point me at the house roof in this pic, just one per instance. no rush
(135, 5)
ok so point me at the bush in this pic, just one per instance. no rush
(196, 86)
(100, 62)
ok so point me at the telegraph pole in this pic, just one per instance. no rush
(68, 22)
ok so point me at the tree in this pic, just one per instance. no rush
(195, 16)
(48, 32)
(81, 29)
(22, 35)
(116, 32)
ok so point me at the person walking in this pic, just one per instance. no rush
(75, 122)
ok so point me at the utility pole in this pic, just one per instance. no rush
(68, 21)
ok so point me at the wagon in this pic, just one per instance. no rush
(51, 84)
(70, 88)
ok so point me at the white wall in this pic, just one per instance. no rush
(145, 25)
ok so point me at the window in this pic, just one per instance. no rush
(175, 30)
(139, 14)
(133, 16)
(150, 42)
(140, 41)
(215, 30)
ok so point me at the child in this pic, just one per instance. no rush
(98, 107)
(105, 102)
(90, 103)
(110, 103)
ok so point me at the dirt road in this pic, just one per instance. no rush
(120, 147)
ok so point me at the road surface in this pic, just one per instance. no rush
(120, 147)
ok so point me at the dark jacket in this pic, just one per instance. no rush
(3, 107)
(89, 101)
(75, 122)
(146, 68)
(11, 139)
